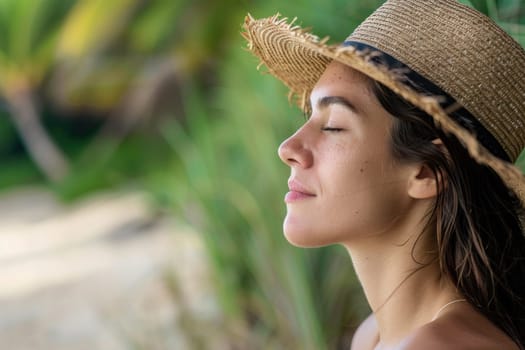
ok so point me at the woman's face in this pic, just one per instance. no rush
(344, 183)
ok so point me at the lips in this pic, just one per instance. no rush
(297, 192)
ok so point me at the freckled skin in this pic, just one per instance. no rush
(350, 171)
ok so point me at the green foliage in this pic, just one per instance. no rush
(17, 170)
(112, 164)
(28, 30)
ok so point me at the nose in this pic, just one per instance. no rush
(294, 151)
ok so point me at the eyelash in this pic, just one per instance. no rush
(307, 116)
(332, 129)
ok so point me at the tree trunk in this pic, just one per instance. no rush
(47, 156)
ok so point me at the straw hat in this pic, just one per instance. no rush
(438, 54)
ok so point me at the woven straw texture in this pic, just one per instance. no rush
(457, 48)
(461, 51)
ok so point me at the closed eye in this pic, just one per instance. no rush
(326, 128)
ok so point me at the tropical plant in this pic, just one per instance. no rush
(128, 62)
(113, 59)
(28, 30)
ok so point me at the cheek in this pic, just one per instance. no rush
(340, 209)
(368, 199)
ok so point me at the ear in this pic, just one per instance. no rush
(423, 183)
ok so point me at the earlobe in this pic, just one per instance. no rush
(423, 184)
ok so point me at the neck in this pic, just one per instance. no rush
(401, 280)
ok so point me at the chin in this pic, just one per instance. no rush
(304, 237)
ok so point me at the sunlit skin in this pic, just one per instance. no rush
(347, 188)
(345, 185)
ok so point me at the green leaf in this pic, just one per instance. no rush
(466, 2)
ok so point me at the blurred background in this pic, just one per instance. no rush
(141, 192)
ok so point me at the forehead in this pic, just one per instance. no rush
(341, 79)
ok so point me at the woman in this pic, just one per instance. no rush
(405, 160)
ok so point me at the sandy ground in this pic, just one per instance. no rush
(104, 273)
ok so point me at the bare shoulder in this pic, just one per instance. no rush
(366, 336)
(464, 330)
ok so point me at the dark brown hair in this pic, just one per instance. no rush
(481, 246)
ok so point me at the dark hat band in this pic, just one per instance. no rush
(422, 85)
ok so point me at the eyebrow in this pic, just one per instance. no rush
(340, 100)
